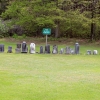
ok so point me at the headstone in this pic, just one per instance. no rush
(76, 48)
(24, 47)
(18, 49)
(72, 51)
(95, 52)
(67, 50)
(88, 52)
(55, 49)
(32, 48)
(47, 49)
(61, 51)
(41, 49)
(9, 49)
(1, 48)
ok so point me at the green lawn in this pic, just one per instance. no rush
(50, 76)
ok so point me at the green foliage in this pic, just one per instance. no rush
(3, 5)
(3, 29)
(15, 36)
(67, 17)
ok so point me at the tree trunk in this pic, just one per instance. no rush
(92, 31)
(92, 24)
(57, 31)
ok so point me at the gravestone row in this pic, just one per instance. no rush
(66, 50)
(94, 52)
(23, 48)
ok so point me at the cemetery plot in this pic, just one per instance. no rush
(47, 49)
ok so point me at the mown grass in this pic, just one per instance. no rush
(49, 76)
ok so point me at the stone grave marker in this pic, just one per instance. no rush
(47, 49)
(41, 49)
(1, 48)
(67, 50)
(72, 51)
(24, 47)
(95, 52)
(55, 49)
(88, 52)
(76, 48)
(32, 48)
(61, 51)
(9, 49)
(18, 48)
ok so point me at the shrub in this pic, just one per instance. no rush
(3, 29)
(15, 36)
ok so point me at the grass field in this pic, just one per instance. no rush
(49, 76)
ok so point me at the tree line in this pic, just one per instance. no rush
(66, 18)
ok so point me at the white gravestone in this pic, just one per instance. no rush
(95, 52)
(32, 48)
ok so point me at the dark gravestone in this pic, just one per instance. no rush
(24, 47)
(61, 51)
(9, 49)
(41, 49)
(55, 49)
(67, 50)
(47, 49)
(18, 49)
(76, 48)
(88, 52)
(1, 48)
(32, 48)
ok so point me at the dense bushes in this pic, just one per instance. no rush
(3, 29)
(65, 18)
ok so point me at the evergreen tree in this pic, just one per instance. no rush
(73, 18)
